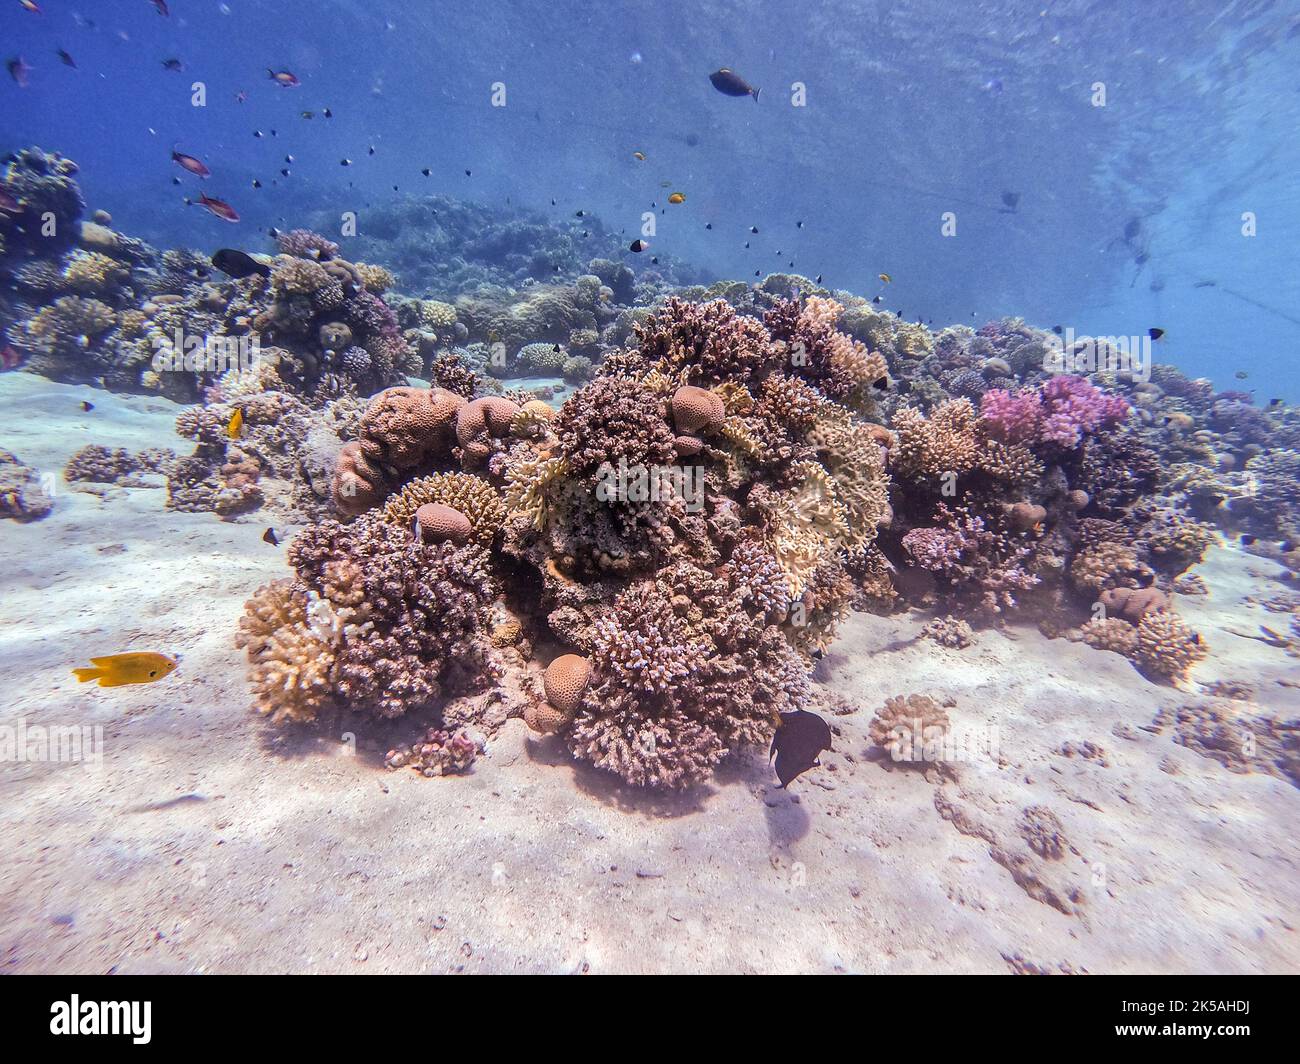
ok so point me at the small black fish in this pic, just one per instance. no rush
(371, 151)
(746, 245)
(66, 59)
(328, 113)
(798, 225)
(1155, 334)
(799, 739)
(257, 133)
(345, 162)
(1011, 199)
(87, 406)
(729, 83)
(881, 299)
(288, 158)
(819, 279)
(269, 537)
(284, 172)
(1205, 284)
(467, 173)
(655, 260)
(638, 246)
(1247, 540)
(708, 225)
(1055, 328)
(426, 171)
(579, 214)
(257, 183)
(173, 65)
(1241, 374)
(1286, 546)
(239, 264)
(757, 273)
(1275, 402)
(882, 384)
(753, 229)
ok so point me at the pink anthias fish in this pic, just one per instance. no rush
(190, 164)
(18, 70)
(284, 77)
(220, 208)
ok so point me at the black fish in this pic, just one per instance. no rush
(1011, 199)
(269, 537)
(173, 65)
(1247, 540)
(729, 83)
(426, 171)
(638, 246)
(87, 406)
(799, 739)
(753, 229)
(1155, 334)
(239, 264)
(881, 299)
(1055, 328)
(881, 384)
(66, 59)
(819, 278)
(1286, 546)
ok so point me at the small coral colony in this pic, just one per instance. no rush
(631, 511)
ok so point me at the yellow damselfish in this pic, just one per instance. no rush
(117, 670)
(676, 197)
(235, 424)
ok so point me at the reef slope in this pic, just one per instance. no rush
(210, 842)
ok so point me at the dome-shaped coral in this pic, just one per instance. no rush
(441, 524)
(697, 411)
(468, 495)
(565, 681)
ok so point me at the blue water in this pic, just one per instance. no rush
(912, 110)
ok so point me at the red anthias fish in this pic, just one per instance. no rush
(220, 208)
(191, 164)
(284, 77)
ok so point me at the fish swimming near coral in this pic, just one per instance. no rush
(239, 264)
(190, 164)
(118, 670)
(729, 83)
(799, 740)
(235, 425)
(270, 537)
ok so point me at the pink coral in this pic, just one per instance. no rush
(1059, 414)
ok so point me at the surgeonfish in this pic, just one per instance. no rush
(798, 741)
(729, 83)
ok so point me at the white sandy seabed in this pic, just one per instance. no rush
(207, 841)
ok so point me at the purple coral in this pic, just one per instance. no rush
(304, 244)
(1059, 414)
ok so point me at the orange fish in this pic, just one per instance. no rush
(118, 670)
(284, 77)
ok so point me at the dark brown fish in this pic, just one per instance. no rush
(729, 83)
(174, 65)
(269, 537)
(799, 739)
(65, 58)
(161, 5)
(239, 264)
